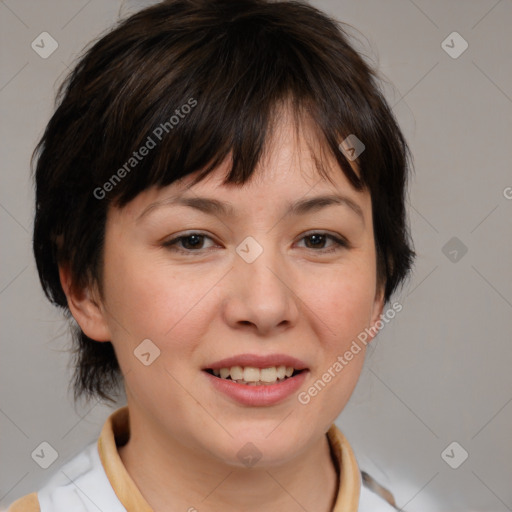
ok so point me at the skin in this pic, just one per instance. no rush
(294, 298)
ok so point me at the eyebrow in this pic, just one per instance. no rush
(215, 207)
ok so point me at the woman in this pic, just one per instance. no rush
(220, 207)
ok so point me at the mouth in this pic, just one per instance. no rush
(257, 380)
(254, 376)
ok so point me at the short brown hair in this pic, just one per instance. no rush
(237, 60)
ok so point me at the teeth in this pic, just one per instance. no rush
(237, 372)
(250, 374)
(254, 376)
(268, 374)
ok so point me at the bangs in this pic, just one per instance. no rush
(189, 105)
(199, 145)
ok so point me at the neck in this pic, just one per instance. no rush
(199, 482)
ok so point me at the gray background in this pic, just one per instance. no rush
(438, 373)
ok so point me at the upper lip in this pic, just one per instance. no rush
(258, 361)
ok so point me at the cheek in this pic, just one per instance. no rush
(150, 299)
(342, 300)
(341, 304)
(135, 296)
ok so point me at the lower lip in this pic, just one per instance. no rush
(258, 395)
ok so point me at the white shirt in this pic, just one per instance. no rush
(83, 483)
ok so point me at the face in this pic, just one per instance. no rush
(262, 285)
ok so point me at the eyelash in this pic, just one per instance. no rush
(339, 243)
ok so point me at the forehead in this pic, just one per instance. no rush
(288, 172)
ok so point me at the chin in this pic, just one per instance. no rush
(260, 446)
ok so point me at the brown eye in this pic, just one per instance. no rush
(192, 242)
(317, 242)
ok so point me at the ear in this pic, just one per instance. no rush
(376, 312)
(85, 306)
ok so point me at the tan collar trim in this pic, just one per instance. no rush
(116, 432)
(348, 472)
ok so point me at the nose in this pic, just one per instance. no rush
(262, 294)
